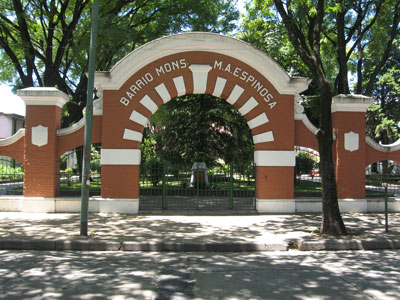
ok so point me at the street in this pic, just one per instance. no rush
(167, 275)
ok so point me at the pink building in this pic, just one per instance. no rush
(10, 124)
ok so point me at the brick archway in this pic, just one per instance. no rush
(199, 63)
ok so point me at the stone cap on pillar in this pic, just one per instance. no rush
(43, 96)
(351, 103)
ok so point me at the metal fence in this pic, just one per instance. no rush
(11, 176)
(165, 186)
(307, 181)
(380, 185)
(71, 173)
(382, 179)
(168, 186)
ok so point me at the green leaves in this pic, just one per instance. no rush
(45, 43)
(198, 128)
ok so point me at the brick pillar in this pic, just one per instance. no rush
(275, 181)
(348, 120)
(43, 118)
(120, 170)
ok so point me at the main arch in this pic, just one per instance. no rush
(199, 63)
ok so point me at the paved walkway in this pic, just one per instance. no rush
(194, 233)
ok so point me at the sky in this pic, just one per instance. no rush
(12, 104)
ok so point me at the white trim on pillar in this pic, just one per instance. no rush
(43, 96)
(274, 158)
(120, 157)
(351, 103)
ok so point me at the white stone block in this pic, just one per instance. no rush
(163, 92)
(120, 157)
(219, 87)
(122, 206)
(73, 205)
(11, 204)
(353, 205)
(308, 205)
(38, 205)
(275, 205)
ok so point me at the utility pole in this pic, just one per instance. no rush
(88, 125)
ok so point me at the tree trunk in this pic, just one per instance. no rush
(332, 222)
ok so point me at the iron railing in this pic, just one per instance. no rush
(71, 173)
(307, 181)
(168, 186)
(11, 176)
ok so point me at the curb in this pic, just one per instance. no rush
(342, 244)
(205, 247)
(85, 245)
(93, 245)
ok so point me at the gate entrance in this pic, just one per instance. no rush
(197, 187)
(191, 63)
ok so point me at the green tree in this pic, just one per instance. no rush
(45, 42)
(304, 163)
(383, 118)
(332, 38)
(198, 128)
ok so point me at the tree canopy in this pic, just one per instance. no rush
(45, 43)
(198, 128)
(332, 39)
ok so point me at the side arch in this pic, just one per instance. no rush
(376, 152)
(73, 136)
(14, 146)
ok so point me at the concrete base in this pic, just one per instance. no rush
(131, 206)
(67, 204)
(276, 205)
(345, 205)
(314, 205)
(353, 205)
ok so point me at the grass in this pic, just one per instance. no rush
(307, 188)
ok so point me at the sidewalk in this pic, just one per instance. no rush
(233, 233)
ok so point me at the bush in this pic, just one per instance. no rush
(304, 163)
(8, 173)
(155, 168)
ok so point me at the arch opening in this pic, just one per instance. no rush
(307, 176)
(70, 171)
(197, 153)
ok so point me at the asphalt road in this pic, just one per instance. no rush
(148, 275)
